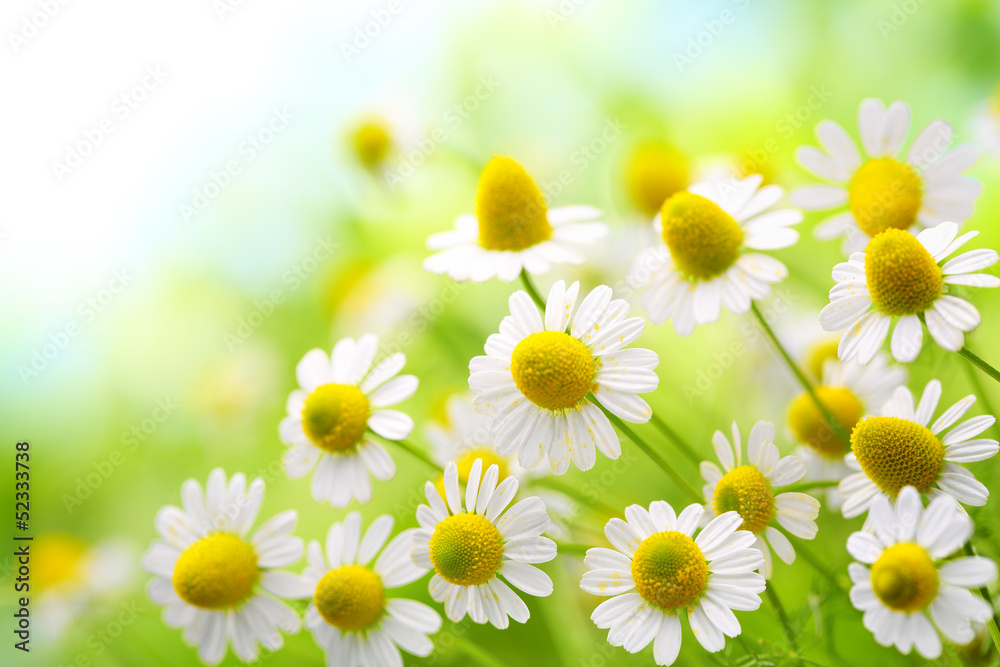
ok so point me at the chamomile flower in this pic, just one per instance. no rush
(537, 376)
(702, 260)
(654, 171)
(901, 276)
(658, 571)
(907, 585)
(217, 582)
(350, 615)
(464, 437)
(512, 230)
(882, 191)
(340, 398)
(898, 449)
(849, 391)
(470, 547)
(749, 490)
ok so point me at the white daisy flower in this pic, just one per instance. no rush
(214, 580)
(849, 391)
(702, 262)
(658, 571)
(654, 171)
(898, 449)
(537, 375)
(882, 191)
(748, 489)
(340, 399)
(512, 230)
(908, 585)
(470, 547)
(350, 616)
(902, 276)
(464, 437)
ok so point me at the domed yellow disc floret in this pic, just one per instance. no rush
(818, 354)
(465, 460)
(669, 570)
(812, 429)
(884, 194)
(466, 550)
(510, 208)
(350, 598)
(655, 171)
(335, 416)
(216, 571)
(703, 239)
(746, 491)
(896, 452)
(371, 141)
(904, 577)
(553, 369)
(902, 277)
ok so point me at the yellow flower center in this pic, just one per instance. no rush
(466, 550)
(553, 369)
(703, 239)
(669, 570)
(335, 416)
(654, 173)
(510, 207)
(896, 452)
(747, 492)
(902, 277)
(350, 597)
(884, 194)
(216, 571)
(812, 429)
(371, 141)
(904, 577)
(56, 559)
(465, 460)
(818, 354)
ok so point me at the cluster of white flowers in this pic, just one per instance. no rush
(559, 381)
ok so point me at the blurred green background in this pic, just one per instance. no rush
(187, 366)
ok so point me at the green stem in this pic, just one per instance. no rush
(651, 453)
(530, 289)
(981, 393)
(555, 485)
(676, 439)
(993, 623)
(579, 549)
(416, 452)
(799, 487)
(786, 624)
(821, 568)
(978, 361)
(474, 652)
(835, 424)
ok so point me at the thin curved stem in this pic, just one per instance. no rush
(578, 549)
(651, 453)
(415, 452)
(994, 622)
(786, 624)
(529, 287)
(566, 490)
(673, 436)
(821, 568)
(800, 376)
(980, 363)
(799, 487)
